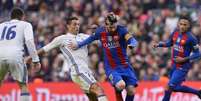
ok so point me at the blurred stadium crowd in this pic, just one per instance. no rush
(147, 20)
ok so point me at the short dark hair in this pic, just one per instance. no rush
(17, 13)
(185, 17)
(111, 17)
(68, 20)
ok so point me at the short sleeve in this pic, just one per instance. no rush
(123, 30)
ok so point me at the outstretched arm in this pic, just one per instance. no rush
(39, 52)
(167, 43)
(87, 41)
(55, 43)
(76, 45)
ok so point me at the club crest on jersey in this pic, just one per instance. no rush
(183, 42)
(116, 37)
(103, 39)
(111, 77)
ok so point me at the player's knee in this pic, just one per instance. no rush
(120, 85)
(169, 87)
(96, 89)
(130, 90)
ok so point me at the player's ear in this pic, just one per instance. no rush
(23, 17)
(177, 25)
(67, 26)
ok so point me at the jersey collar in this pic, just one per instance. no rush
(70, 34)
(13, 20)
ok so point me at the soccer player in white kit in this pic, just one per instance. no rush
(77, 60)
(13, 35)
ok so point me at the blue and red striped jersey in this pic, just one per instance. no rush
(182, 45)
(113, 44)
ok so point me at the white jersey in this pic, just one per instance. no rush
(13, 35)
(76, 59)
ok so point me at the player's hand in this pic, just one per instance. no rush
(73, 46)
(28, 60)
(178, 59)
(155, 45)
(36, 66)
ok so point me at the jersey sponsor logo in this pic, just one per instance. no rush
(178, 40)
(178, 48)
(109, 38)
(113, 42)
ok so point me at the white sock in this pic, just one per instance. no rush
(25, 97)
(102, 98)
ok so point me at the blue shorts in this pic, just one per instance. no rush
(127, 74)
(177, 76)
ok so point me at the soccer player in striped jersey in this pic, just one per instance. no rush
(13, 35)
(76, 59)
(183, 43)
(115, 39)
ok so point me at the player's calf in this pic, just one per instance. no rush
(130, 93)
(199, 95)
(98, 91)
(130, 90)
(92, 96)
(167, 93)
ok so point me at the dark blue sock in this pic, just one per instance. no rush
(185, 89)
(167, 95)
(129, 97)
(25, 94)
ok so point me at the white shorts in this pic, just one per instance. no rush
(16, 68)
(84, 80)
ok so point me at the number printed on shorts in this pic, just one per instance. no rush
(8, 33)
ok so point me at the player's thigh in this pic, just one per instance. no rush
(172, 71)
(130, 78)
(3, 69)
(115, 78)
(84, 80)
(178, 76)
(18, 71)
